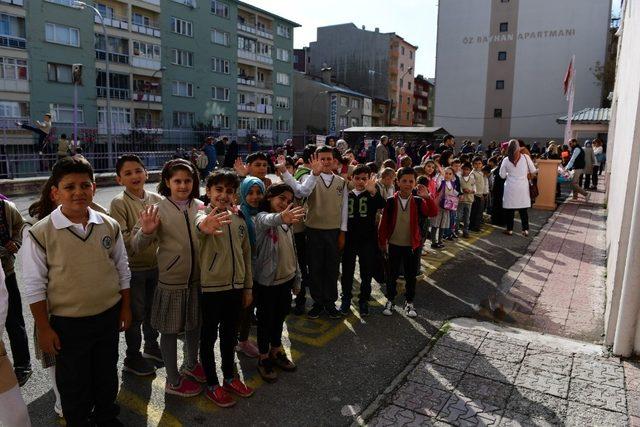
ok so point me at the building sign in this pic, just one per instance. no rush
(525, 35)
(333, 114)
(367, 107)
(320, 140)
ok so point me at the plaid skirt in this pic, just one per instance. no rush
(176, 310)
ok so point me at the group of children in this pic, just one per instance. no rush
(161, 265)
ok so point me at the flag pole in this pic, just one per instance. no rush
(568, 132)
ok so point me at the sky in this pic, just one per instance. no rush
(414, 20)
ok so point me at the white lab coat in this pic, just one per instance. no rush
(516, 186)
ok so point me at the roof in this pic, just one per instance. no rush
(342, 89)
(589, 116)
(397, 129)
(266, 12)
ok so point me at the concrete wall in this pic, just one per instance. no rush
(623, 297)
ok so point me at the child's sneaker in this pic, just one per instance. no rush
(299, 310)
(333, 312)
(345, 308)
(282, 361)
(315, 312)
(388, 309)
(138, 365)
(185, 388)
(409, 310)
(237, 387)
(364, 309)
(153, 353)
(219, 396)
(197, 373)
(266, 371)
(248, 348)
(57, 408)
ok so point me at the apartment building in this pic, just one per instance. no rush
(178, 64)
(423, 101)
(379, 64)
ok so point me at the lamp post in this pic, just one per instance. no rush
(153, 75)
(82, 5)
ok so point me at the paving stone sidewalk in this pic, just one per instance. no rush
(478, 373)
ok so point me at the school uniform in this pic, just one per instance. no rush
(11, 224)
(466, 201)
(225, 273)
(300, 237)
(477, 209)
(277, 274)
(80, 273)
(125, 208)
(400, 230)
(361, 242)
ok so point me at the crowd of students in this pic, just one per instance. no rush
(159, 265)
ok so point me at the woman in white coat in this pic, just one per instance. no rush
(515, 169)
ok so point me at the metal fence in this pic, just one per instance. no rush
(22, 156)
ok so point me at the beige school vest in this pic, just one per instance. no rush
(325, 204)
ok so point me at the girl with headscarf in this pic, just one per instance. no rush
(252, 191)
(515, 170)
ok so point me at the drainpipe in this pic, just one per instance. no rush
(623, 341)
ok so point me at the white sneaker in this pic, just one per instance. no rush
(57, 407)
(388, 309)
(409, 310)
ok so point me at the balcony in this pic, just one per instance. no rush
(154, 2)
(146, 97)
(142, 62)
(153, 29)
(247, 28)
(13, 42)
(13, 2)
(117, 58)
(264, 59)
(422, 107)
(265, 85)
(115, 21)
(264, 33)
(252, 56)
(251, 107)
(14, 85)
(246, 81)
(116, 93)
(264, 109)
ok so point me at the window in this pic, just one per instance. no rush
(282, 125)
(183, 119)
(411, 54)
(282, 101)
(248, 123)
(220, 37)
(282, 54)
(180, 26)
(61, 34)
(499, 84)
(502, 55)
(401, 83)
(402, 50)
(246, 44)
(219, 65)
(355, 103)
(146, 50)
(409, 85)
(504, 1)
(401, 67)
(63, 113)
(408, 100)
(354, 121)
(219, 93)
(219, 8)
(220, 121)
(282, 79)
(118, 85)
(264, 124)
(344, 101)
(139, 19)
(343, 122)
(179, 88)
(12, 109)
(105, 11)
(182, 57)
(13, 69)
(70, 3)
(120, 117)
(60, 73)
(284, 31)
(408, 116)
(504, 27)
(497, 113)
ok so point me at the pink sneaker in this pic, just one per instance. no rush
(185, 388)
(237, 387)
(219, 396)
(248, 348)
(197, 373)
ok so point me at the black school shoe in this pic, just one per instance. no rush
(364, 309)
(299, 310)
(332, 312)
(345, 308)
(315, 311)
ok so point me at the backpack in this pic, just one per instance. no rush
(202, 161)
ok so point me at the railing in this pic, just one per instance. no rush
(13, 2)
(150, 30)
(246, 28)
(246, 107)
(115, 21)
(264, 85)
(264, 109)
(247, 81)
(155, 2)
(422, 107)
(115, 93)
(113, 57)
(13, 85)
(264, 33)
(146, 97)
(245, 54)
(142, 62)
(14, 42)
(265, 59)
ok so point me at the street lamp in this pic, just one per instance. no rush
(82, 5)
(153, 75)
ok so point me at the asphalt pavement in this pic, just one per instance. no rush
(343, 365)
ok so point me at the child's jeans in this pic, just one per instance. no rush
(464, 214)
(453, 221)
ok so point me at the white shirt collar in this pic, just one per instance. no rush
(60, 221)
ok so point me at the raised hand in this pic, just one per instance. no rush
(241, 169)
(372, 184)
(316, 164)
(214, 221)
(423, 192)
(281, 163)
(149, 219)
(292, 215)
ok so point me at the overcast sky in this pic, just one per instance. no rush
(413, 20)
